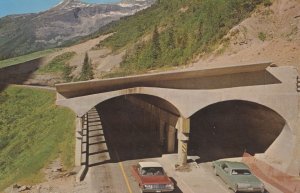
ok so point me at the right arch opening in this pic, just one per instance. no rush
(229, 128)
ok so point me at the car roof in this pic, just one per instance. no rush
(149, 164)
(235, 165)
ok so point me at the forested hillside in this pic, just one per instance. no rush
(172, 33)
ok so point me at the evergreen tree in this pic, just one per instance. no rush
(87, 69)
(171, 39)
(156, 50)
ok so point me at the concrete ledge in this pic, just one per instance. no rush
(172, 159)
(79, 135)
(82, 173)
(183, 136)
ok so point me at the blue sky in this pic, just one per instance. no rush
(8, 7)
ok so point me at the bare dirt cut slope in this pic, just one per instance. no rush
(98, 57)
(270, 34)
(103, 60)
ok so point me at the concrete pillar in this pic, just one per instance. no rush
(182, 152)
(183, 126)
(78, 142)
(171, 139)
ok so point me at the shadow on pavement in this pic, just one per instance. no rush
(177, 189)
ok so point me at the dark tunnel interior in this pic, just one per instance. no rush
(227, 129)
(221, 130)
(132, 131)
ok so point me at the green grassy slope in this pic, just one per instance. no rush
(33, 131)
(172, 33)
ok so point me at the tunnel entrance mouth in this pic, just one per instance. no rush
(133, 132)
(228, 129)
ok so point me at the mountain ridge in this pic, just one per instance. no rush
(25, 33)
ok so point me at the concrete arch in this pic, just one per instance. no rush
(81, 105)
(244, 101)
(276, 102)
(154, 100)
(188, 102)
(280, 152)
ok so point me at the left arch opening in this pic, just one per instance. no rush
(132, 125)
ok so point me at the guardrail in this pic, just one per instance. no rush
(84, 166)
(271, 175)
(298, 84)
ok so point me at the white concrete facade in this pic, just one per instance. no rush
(280, 96)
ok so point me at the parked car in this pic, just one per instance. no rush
(152, 177)
(237, 176)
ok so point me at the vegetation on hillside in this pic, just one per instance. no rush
(14, 41)
(262, 36)
(33, 131)
(60, 64)
(172, 33)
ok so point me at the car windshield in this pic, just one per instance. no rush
(152, 171)
(240, 172)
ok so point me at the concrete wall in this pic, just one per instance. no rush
(163, 114)
(20, 72)
(167, 120)
(211, 78)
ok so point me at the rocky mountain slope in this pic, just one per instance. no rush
(20, 34)
(270, 34)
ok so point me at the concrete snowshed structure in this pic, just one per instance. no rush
(176, 96)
